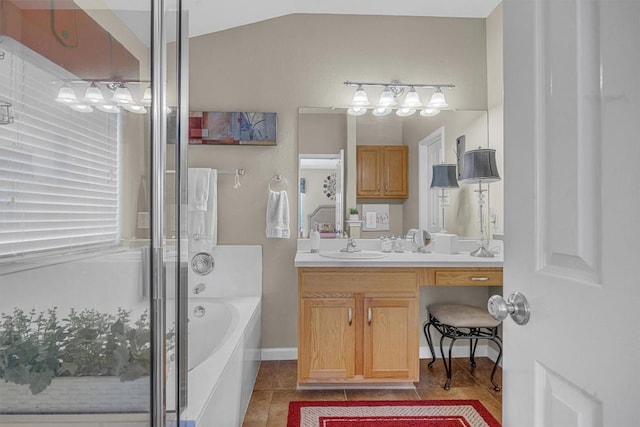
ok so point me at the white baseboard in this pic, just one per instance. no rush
(291, 353)
(284, 353)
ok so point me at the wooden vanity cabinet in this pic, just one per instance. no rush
(358, 325)
(382, 171)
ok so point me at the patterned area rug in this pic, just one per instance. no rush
(390, 413)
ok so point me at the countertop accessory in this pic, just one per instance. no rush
(444, 177)
(479, 166)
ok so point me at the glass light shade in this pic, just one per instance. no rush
(146, 97)
(138, 109)
(429, 112)
(479, 166)
(81, 108)
(122, 95)
(360, 98)
(412, 100)
(405, 112)
(387, 99)
(66, 95)
(438, 100)
(356, 111)
(381, 111)
(444, 176)
(93, 94)
(108, 108)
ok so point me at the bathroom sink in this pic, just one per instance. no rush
(353, 255)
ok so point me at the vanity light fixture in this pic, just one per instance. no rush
(97, 93)
(479, 166)
(444, 177)
(388, 99)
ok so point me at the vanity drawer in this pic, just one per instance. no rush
(468, 277)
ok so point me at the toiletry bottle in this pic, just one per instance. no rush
(314, 239)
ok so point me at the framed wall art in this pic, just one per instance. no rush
(228, 128)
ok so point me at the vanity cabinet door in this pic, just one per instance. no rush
(395, 169)
(382, 171)
(391, 338)
(327, 339)
(369, 166)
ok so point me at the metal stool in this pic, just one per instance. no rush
(462, 321)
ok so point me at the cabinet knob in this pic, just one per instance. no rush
(369, 315)
(350, 315)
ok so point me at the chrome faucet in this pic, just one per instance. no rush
(351, 246)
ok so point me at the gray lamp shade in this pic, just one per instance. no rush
(444, 176)
(479, 165)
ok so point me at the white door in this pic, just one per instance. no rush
(572, 211)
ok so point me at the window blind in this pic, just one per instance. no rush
(59, 180)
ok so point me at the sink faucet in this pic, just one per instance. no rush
(351, 246)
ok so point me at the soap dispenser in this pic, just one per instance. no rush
(314, 239)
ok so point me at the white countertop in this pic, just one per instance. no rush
(304, 258)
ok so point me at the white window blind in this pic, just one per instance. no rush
(59, 180)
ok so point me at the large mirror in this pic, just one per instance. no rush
(325, 132)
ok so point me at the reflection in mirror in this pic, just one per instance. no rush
(431, 140)
(321, 192)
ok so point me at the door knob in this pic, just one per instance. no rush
(516, 306)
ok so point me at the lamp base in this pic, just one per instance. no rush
(482, 252)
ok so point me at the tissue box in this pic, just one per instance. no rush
(446, 243)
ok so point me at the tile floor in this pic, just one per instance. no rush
(276, 386)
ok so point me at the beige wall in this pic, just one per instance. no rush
(302, 61)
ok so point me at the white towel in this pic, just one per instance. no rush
(278, 215)
(203, 224)
(198, 188)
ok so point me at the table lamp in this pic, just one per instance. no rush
(479, 166)
(444, 177)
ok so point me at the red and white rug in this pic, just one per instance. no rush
(390, 413)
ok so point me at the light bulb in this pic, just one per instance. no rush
(81, 108)
(438, 100)
(138, 109)
(429, 112)
(93, 94)
(381, 111)
(146, 97)
(404, 112)
(66, 95)
(412, 100)
(122, 95)
(360, 98)
(108, 108)
(356, 111)
(387, 99)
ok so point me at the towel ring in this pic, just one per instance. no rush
(279, 178)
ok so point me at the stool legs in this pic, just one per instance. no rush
(427, 334)
(473, 335)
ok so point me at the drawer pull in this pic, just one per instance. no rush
(369, 315)
(350, 315)
(479, 279)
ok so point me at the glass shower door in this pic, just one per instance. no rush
(90, 213)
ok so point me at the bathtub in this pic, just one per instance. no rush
(223, 359)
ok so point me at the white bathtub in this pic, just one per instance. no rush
(224, 357)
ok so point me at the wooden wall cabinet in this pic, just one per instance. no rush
(358, 325)
(382, 171)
